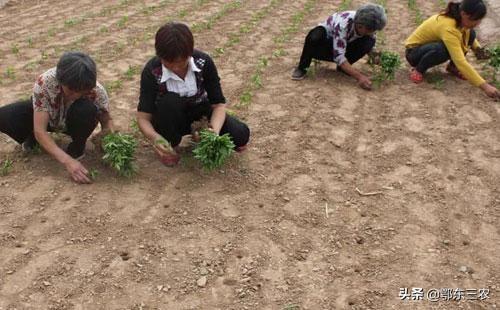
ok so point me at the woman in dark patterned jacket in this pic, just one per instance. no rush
(181, 85)
(344, 38)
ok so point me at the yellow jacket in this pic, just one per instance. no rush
(443, 28)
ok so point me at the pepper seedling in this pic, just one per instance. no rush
(119, 150)
(213, 150)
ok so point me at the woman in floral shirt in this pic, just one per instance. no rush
(344, 38)
(67, 99)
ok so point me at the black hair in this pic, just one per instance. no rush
(173, 41)
(476, 9)
(77, 71)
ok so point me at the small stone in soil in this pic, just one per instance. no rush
(202, 282)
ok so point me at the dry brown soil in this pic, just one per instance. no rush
(282, 226)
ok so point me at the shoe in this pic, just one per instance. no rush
(298, 74)
(416, 77)
(453, 70)
(29, 144)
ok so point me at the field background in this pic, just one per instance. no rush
(282, 226)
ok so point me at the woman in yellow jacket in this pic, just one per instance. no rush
(449, 36)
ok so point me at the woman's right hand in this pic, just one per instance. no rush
(490, 90)
(365, 82)
(162, 147)
(77, 171)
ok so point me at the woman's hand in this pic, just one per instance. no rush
(490, 90)
(365, 82)
(77, 171)
(168, 156)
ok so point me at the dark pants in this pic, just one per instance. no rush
(430, 55)
(16, 120)
(174, 116)
(318, 46)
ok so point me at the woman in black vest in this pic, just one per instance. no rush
(181, 85)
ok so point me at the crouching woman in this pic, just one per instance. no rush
(66, 99)
(179, 86)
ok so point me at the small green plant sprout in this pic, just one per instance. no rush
(436, 79)
(6, 167)
(93, 174)
(10, 73)
(51, 32)
(213, 150)
(131, 72)
(119, 150)
(280, 52)
(30, 42)
(389, 63)
(134, 126)
(113, 86)
(123, 21)
(218, 51)
(245, 98)
(313, 69)
(15, 49)
(291, 307)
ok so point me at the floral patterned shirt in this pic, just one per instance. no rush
(340, 27)
(48, 97)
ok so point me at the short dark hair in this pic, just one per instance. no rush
(173, 41)
(77, 71)
(476, 9)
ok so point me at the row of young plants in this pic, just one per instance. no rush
(116, 48)
(255, 81)
(246, 27)
(36, 41)
(415, 9)
(207, 24)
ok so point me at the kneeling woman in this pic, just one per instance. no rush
(448, 37)
(66, 98)
(179, 86)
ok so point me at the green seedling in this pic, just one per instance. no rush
(93, 174)
(213, 150)
(119, 150)
(245, 98)
(123, 21)
(51, 32)
(6, 167)
(218, 51)
(70, 22)
(103, 29)
(182, 13)
(435, 79)
(114, 85)
(389, 63)
(131, 72)
(10, 73)
(134, 126)
(30, 42)
(280, 52)
(15, 49)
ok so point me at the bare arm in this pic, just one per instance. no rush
(144, 123)
(74, 167)
(218, 117)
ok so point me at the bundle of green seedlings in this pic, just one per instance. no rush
(389, 63)
(494, 53)
(213, 150)
(119, 150)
